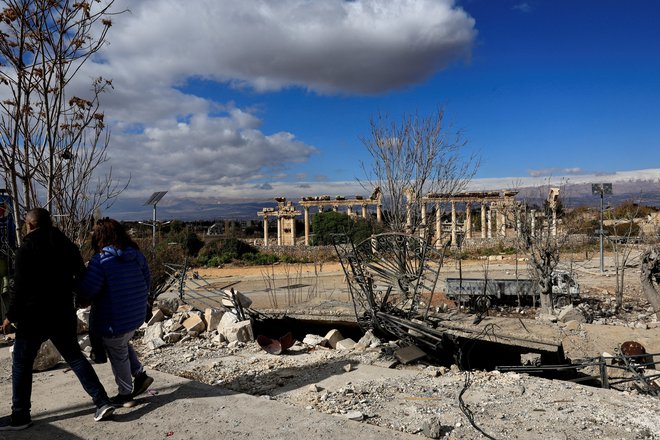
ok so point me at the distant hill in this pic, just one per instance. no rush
(642, 192)
(641, 186)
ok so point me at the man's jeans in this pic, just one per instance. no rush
(25, 351)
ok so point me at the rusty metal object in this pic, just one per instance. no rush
(276, 346)
(636, 351)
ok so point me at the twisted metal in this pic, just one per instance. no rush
(390, 275)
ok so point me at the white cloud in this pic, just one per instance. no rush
(166, 139)
(556, 171)
(363, 46)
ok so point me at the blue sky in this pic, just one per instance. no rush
(226, 100)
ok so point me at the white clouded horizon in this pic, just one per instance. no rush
(164, 138)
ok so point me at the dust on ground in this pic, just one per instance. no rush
(427, 399)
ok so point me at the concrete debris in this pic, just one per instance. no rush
(369, 340)
(155, 343)
(84, 343)
(345, 344)
(333, 336)
(354, 415)
(243, 300)
(153, 332)
(83, 320)
(168, 306)
(157, 316)
(47, 357)
(530, 359)
(348, 368)
(227, 320)
(194, 323)
(172, 337)
(212, 318)
(433, 428)
(173, 325)
(239, 332)
(571, 313)
(315, 340)
(409, 354)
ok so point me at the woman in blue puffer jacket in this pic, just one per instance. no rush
(117, 283)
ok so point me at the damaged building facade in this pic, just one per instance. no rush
(498, 215)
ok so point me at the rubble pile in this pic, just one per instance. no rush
(384, 384)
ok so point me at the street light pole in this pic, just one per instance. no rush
(601, 189)
(602, 233)
(153, 201)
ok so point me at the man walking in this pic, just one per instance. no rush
(41, 307)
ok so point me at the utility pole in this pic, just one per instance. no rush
(601, 189)
(153, 201)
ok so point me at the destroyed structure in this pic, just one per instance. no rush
(499, 215)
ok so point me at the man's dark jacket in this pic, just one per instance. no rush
(47, 267)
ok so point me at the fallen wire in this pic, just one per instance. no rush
(488, 329)
(466, 410)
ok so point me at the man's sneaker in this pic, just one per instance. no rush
(141, 383)
(103, 412)
(13, 423)
(125, 400)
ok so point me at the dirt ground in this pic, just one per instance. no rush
(423, 398)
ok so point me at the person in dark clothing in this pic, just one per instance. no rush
(41, 307)
(117, 283)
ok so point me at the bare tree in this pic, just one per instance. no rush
(623, 242)
(52, 140)
(541, 240)
(650, 277)
(413, 157)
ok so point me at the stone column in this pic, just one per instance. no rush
(364, 211)
(349, 210)
(279, 230)
(468, 220)
(265, 230)
(490, 222)
(532, 225)
(502, 222)
(379, 213)
(293, 231)
(408, 216)
(453, 225)
(306, 208)
(422, 233)
(483, 220)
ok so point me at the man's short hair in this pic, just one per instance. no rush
(39, 218)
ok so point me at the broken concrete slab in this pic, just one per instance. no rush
(570, 313)
(239, 332)
(345, 344)
(314, 340)
(156, 316)
(243, 300)
(212, 317)
(168, 306)
(333, 336)
(227, 320)
(409, 354)
(194, 323)
(153, 332)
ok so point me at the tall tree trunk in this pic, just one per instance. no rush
(650, 274)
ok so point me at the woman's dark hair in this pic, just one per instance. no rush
(109, 232)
